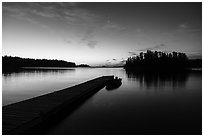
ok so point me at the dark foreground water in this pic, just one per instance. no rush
(145, 103)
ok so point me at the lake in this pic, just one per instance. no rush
(145, 103)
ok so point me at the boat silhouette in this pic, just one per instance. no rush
(114, 84)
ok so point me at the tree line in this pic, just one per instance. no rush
(12, 63)
(161, 60)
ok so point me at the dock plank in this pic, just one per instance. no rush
(21, 116)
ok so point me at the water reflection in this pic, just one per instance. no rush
(174, 105)
(158, 79)
(30, 72)
(28, 83)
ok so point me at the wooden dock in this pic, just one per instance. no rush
(19, 117)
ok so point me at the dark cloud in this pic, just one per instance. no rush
(68, 41)
(161, 45)
(92, 44)
(167, 51)
(113, 27)
(132, 53)
(88, 35)
(194, 55)
(153, 48)
(122, 61)
(188, 28)
(68, 12)
(183, 26)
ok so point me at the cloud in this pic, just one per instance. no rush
(153, 48)
(67, 4)
(47, 14)
(188, 28)
(115, 62)
(194, 55)
(92, 30)
(89, 34)
(132, 53)
(67, 12)
(68, 41)
(183, 26)
(122, 62)
(161, 45)
(88, 38)
(69, 15)
(92, 44)
(111, 26)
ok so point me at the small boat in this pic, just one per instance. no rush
(113, 84)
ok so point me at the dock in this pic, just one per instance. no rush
(19, 117)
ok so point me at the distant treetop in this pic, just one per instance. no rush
(9, 63)
(158, 60)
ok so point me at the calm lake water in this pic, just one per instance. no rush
(145, 103)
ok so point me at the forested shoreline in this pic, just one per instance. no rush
(157, 60)
(151, 60)
(14, 63)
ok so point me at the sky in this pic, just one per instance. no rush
(100, 33)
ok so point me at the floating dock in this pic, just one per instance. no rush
(19, 117)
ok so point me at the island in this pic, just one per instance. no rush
(10, 63)
(161, 61)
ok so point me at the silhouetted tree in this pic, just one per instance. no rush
(158, 60)
(13, 63)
